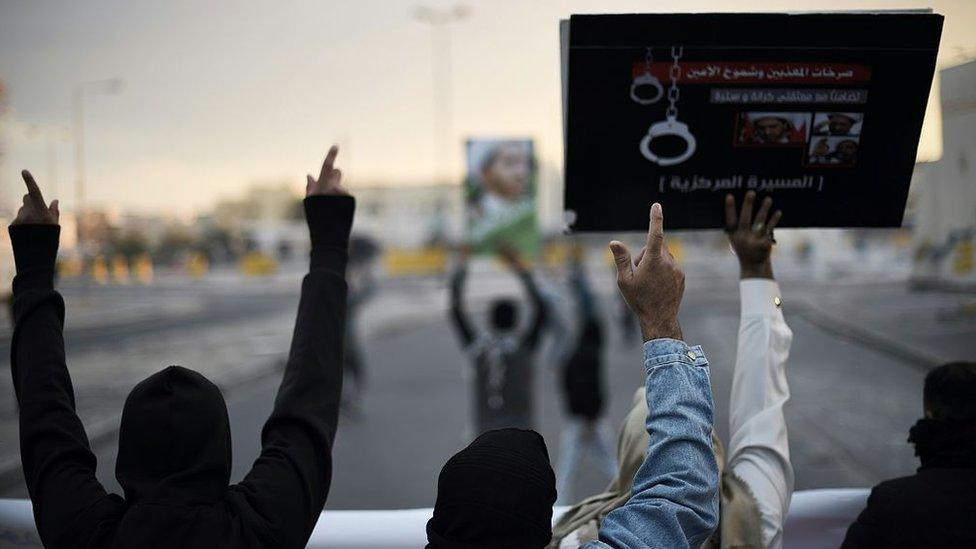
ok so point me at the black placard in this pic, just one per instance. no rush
(822, 111)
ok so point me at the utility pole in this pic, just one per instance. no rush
(104, 87)
(440, 34)
(52, 136)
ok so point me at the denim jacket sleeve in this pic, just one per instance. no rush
(674, 502)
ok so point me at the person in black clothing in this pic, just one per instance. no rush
(361, 288)
(174, 455)
(936, 506)
(583, 391)
(502, 358)
(495, 494)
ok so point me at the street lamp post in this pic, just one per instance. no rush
(439, 21)
(104, 87)
(51, 135)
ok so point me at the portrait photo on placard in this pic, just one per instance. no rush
(500, 201)
(772, 128)
(833, 151)
(837, 123)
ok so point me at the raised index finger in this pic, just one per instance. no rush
(32, 189)
(328, 163)
(655, 232)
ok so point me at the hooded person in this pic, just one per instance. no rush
(496, 493)
(174, 457)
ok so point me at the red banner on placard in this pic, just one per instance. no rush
(729, 72)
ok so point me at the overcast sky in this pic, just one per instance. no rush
(221, 94)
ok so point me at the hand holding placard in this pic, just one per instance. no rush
(752, 241)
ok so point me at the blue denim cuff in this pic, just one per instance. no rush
(660, 352)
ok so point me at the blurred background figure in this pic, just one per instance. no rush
(362, 287)
(503, 358)
(582, 385)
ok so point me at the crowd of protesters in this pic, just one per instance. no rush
(673, 483)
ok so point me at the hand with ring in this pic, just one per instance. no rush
(752, 240)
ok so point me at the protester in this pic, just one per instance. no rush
(583, 392)
(757, 480)
(499, 491)
(174, 454)
(936, 506)
(556, 330)
(503, 358)
(360, 289)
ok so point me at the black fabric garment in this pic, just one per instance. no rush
(174, 442)
(496, 493)
(581, 374)
(936, 506)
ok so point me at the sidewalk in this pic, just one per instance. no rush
(872, 306)
(923, 328)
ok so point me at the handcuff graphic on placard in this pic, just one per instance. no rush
(670, 126)
(647, 78)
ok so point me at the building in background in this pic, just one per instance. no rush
(945, 220)
(269, 219)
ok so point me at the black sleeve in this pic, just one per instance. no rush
(59, 466)
(289, 481)
(538, 319)
(871, 527)
(460, 319)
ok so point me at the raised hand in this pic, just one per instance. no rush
(330, 178)
(752, 240)
(654, 285)
(35, 211)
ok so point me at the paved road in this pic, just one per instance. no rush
(851, 408)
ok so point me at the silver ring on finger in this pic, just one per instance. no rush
(758, 227)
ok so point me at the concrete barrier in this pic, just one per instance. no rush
(817, 519)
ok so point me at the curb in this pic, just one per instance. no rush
(865, 336)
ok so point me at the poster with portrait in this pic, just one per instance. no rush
(500, 195)
(822, 111)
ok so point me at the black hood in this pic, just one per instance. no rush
(174, 442)
(496, 493)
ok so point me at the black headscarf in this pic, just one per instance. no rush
(174, 441)
(945, 443)
(497, 492)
